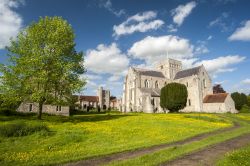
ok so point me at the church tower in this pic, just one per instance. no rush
(169, 67)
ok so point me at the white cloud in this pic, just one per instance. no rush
(91, 84)
(171, 28)
(221, 64)
(142, 16)
(246, 81)
(114, 78)
(242, 33)
(201, 47)
(106, 59)
(108, 5)
(182, 11)
(222, 22)
(10, 21)
(209, 37)
(92, 77)
(141, 22)
(154, 49)
(221, 82)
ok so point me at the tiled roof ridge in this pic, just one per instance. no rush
(187, 72)
(215, 98)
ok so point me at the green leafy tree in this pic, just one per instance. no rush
(44, 66)
(240, 99)
(173, 97)
(248, 100)
(244, 98)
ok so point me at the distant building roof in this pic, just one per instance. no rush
(187, 72)
(89, 98)
(152, 73)
(153, 92)
(215, 98)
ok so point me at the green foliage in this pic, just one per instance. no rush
(245, 109)
(240, 99)
(248, 100)
(19, 129)
(43, 64)
(173, 97)
(7, 107)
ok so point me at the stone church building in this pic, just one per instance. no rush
(141, 91)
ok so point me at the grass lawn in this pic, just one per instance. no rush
(240, 156)
(174, 152)
(83, 136)
(237, 157)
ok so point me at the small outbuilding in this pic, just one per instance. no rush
(29, 107)
(219, 103)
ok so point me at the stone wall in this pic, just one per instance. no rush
(227, 106)
(49, 109)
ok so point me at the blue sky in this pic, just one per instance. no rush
(117, 34)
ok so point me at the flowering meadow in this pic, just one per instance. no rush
(83, 136)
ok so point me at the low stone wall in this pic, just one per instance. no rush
(49, 109)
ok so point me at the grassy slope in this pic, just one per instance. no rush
(174, 152)
(237, 157)
(83, 136)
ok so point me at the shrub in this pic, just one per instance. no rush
(245, 109)
(248, 100)
(19, 129)
(173, 97)
(240, 99)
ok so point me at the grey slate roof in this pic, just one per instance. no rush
(187, 72)
(153, 92)
(152, 73)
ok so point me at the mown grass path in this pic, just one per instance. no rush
(140, 152)
(209, 156)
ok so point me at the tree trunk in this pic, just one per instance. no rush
(39, 113)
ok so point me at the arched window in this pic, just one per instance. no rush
(204, 83)
(156, 84)
(146, 83)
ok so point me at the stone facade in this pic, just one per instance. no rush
(219, 103)
(49, 109)
(141, 89)
(102, 100)
(88, 101)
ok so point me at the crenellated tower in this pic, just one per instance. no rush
(169, 67)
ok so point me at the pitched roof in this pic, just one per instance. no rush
(187, 72)
(215, 98)
(152, 73)
(89, 98)
(153, 92)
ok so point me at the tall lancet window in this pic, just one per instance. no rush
(156, 84)
(146, 83)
